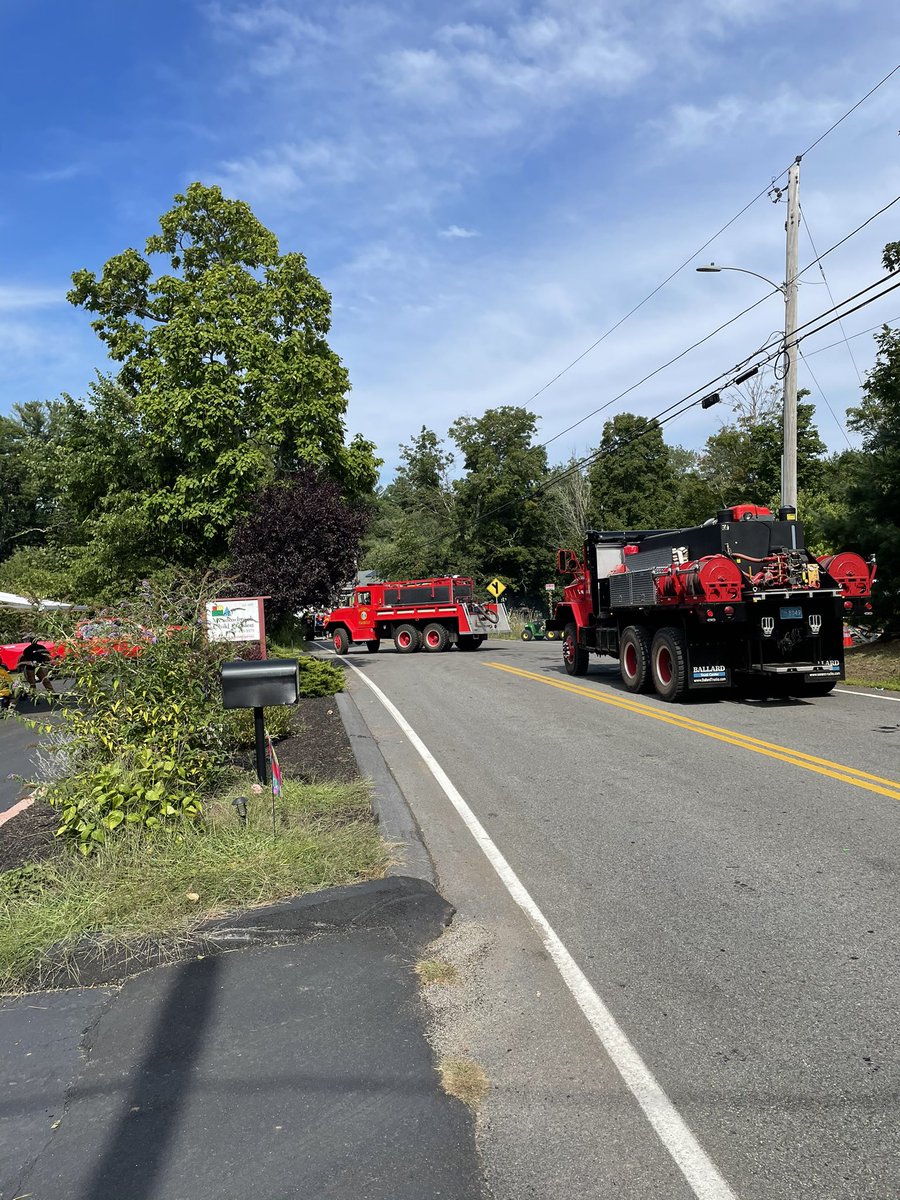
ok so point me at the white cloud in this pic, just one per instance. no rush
(16, 297)
(458, 231)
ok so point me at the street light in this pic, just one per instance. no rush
(714, 268)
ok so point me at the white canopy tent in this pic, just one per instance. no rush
(11, 600)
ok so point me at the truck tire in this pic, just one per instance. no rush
(668, 664)
(466, 641)
(407, 639)
(435, 638)
(373, 645)
(818, 687)
(634, 658)
(527, 635)
(575, 657)
(340, 640)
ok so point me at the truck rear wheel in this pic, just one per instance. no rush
(407, 639)
(575, 657)
(816, 687)
(634, 658)
(466, 641)
(435, 638)
(340, 640)
(668, 664)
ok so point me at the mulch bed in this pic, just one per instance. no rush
(316, 751)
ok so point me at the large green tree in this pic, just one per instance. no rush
(871, 522)
(227, 374)
(501, 515)
(632, 480)
(413, 535)
(492, 518)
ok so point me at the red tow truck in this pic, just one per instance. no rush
(736, 602)
(417, 614)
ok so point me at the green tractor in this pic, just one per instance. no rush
(536, 631)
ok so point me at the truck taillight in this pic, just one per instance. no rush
(728, 610)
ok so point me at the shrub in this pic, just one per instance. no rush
(240, 729)
(146, 739)
(318, 677)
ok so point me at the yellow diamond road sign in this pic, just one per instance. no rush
(496, 587)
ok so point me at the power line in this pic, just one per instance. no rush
(658, 369)
(856, 308)
(840, 120)
(683, 406)
(825, 398)
(830, 296)
(871, 329)
(677, 271)
(848, 236)
(707, 337)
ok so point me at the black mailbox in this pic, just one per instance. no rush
(259, 683)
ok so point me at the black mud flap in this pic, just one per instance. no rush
(707, 668)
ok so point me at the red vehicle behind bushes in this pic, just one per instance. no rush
(417, 614)
(737, 601)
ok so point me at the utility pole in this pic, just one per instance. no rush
(789, 453)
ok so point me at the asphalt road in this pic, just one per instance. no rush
(18, 744)
(733, 902)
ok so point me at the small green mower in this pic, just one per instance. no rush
(536, 631)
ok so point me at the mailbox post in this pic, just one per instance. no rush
(259, 684)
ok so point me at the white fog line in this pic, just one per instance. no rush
(692, 1160)
(868, 695)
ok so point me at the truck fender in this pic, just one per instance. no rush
(561, 618)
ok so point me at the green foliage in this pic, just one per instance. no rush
(299, 544)
(226, 379)
(240, 727)
(631, 483)
(414, 528)
(491, 520)
(318, 677)
(144, 743)
(139, 884)
(871, 522)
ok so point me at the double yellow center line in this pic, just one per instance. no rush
(796, 758)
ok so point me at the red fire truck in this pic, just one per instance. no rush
(418, 614)
(736, 601)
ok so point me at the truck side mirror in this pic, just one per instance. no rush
(567, 562)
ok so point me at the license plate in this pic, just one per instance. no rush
(791, 614)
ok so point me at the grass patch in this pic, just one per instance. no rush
(432, 970)
(465, 1079)
(166, 883)
(877, 665)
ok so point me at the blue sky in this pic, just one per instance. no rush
(484, 186)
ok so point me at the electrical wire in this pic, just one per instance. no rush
(725, 324)
(658, 369)
(677, 271)
(825, 398)
(848, 236)
(830, 297)
(856, 308)
(666, 415)
(871, 329)
(849, 111)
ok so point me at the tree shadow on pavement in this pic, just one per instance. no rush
(137, 1148)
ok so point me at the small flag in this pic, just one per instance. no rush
(276, 768)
